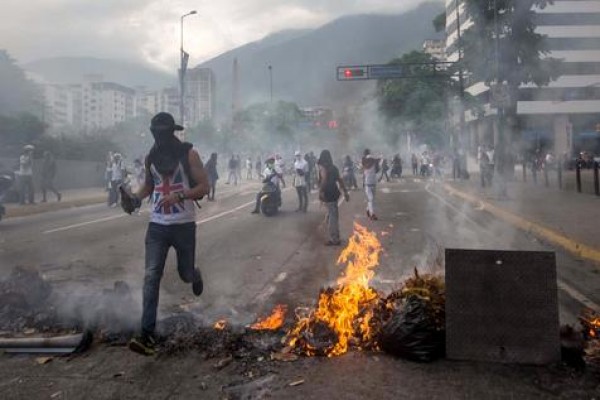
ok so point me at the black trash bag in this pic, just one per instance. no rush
(411, 333)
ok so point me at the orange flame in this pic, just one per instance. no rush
(273, 321)
(220, 325)
(343, 309)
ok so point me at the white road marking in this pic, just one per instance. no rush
(386, 190)
(65, 228)
(281, 277)
(580, 297)
(224, 213)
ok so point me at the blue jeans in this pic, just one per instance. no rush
(159, 238)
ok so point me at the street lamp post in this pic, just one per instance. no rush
(183, 57)
(271, 81)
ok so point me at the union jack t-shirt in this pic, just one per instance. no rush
(178, 182)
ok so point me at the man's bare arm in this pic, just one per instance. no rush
(200, 177)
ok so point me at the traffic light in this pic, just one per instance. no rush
(353, 73)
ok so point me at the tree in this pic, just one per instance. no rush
(417, 104)
(502, 47)
(439, 22)
(17, 93)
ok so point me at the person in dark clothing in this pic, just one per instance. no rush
(174, 179)
(349, 172)
(213, 175)
(384, 170)
(414, 161)
(331, 186)
(396, 167)
(48, 174)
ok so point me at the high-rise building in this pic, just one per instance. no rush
(436, 48)
(563, 115)
(199, 95)
(105, 104)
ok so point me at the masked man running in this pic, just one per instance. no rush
(175, 177)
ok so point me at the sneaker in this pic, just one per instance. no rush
(332, 243)
(368, 214)
(255, 212)
(374, 217)
(198, 285)
(144, 345)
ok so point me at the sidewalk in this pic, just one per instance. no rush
(564, 218)
(70, 198)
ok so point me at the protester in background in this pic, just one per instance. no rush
(117, 174)
(232, 168)
(248, 168)
(238, 168)
(349, 171)
(138, 170)
(397, 167)
(414, 161)
(107, 170)
(213, 175)
(175, 178)
(300, 174)
(491, 164)
(271, 174)
(370, 169)
(331, 186)
(384, 170)
(484, 165)
(280, 165)
(48, 174)
(258, 167)
(25, 175)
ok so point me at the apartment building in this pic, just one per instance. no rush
(200, 92)
(563, 116)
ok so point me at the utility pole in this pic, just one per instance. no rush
(458, 144)
(183, 58)
(500, 150)
(271, 81)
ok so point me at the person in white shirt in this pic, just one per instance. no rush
(280, 165)
(26, 175)
(370, 166)
(271, 174)
(116, 179)
(300, 173)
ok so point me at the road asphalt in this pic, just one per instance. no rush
(250, 263)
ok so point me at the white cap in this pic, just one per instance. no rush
(28, 147)
(297, 153)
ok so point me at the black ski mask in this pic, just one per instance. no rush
(167, 149)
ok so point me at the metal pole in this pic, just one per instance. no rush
(461, 81)
(596, 179)
(578, 175)
(181, 70)
(559, 170)
(271, 82)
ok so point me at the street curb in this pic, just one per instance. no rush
(578, 249)
(25, 211)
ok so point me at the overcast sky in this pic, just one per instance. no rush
(148, 30)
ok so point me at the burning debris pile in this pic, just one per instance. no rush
(590, 321)
(408, 322)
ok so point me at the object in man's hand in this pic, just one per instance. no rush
(300, 172)
(129, 203)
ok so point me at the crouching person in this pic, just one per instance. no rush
(175, 178)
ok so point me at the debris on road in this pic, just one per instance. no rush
(43, 360)
(296, 383)
(255, 390)
(223, 362)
